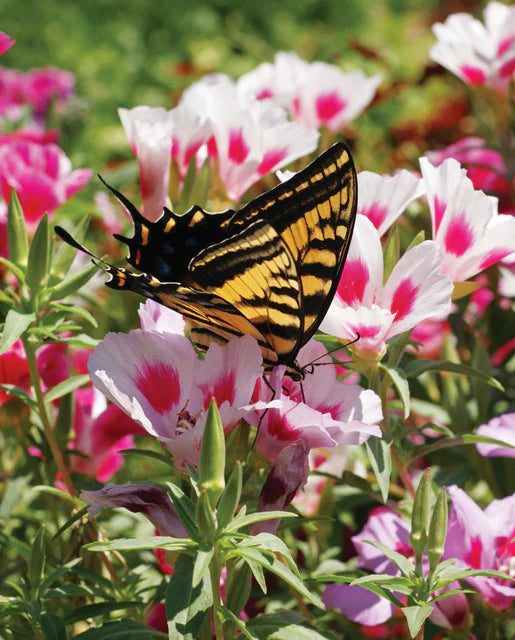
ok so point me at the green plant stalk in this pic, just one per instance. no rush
(215, 571)
(30, 351)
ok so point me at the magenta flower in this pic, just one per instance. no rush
(387, 527)
(431, 335)
(42, 176)
(414, 291)
(149, 130)
(485, 167)
(5, 42)
(41, 86)
(32, 134)
(334, 413)
(484, 540)
(500, 428)
(152, 501)
(190, 131)
(470, 234)
(14, 369)
(101, 432)
(382, 199)
(11, 94)
(250, 138)
(157, 379)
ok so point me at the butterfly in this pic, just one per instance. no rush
(269, 270)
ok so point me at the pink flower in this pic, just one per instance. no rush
(469, 232)
(101, 431)
(11, 94)
(30, 135)
(152, 501)
(485, 167)
(41, 86)
(478, 54)
(5, 42)
(14, 369)
(42, 176)
(500, 428)
(333, 413)
(157, 379)
(190, 131)
(382, 199)
(156, 317)
(484, 540)
(414, 291)
(431, 334)
(149, 130)
(250, 138)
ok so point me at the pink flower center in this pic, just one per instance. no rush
(264, 93)
(376, 213)
(329, 105)
(459, 236)
(270, 160)
(351, 287)
(176, 147)
(223, 390)
(238, 148)
(506, 548)
(160, 384)
(404, 299)
(472, 75)
(494, 256)
(278, 427)
(473, 558)
(367, 332)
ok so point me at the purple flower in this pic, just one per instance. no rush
(500, 428)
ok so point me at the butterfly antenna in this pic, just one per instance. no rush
(342, 346)
(134, 213)
(261, 417)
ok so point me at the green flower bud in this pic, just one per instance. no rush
(212, 455)
(437, 530)
(420, 516)
(205, 518)
(230, 498)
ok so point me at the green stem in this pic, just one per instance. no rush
(30, 350)
(216, 572)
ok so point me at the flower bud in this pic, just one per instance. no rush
(437, 530)
(420, 516)
(212, 455)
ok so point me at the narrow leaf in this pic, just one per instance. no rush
(72, 284)
(17, 232)
(37, 267)
(417, 367)
(400, 383)
(66, 254)
(151, 542)
(415, 617)
(400, 561)
(15, 325)
(99, 609)
(378, 450)
(65, 387)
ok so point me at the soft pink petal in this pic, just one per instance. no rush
(500, 428)
(5, 42)
(358, 604)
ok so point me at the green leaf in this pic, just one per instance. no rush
(15, 325)
(37, 267)
(55, 575)
(19, 393)
(121, 630)
(76, 516)
(72, 284)
(417, 367)
(273, 544)
(185, 509)
(237, 586)
(385, 580)
(186, 606)
(201, 566)
(150, 542)
(17, 232)
(66, 386)
(244, 521)
(53, 627)
(472, 438)
(257, 572)
(201, 187)
(391, 252)
(59, 494)
(66, 254)
(72, 309)
(18, 271)
(400, 383)
(378, 450)
(266, 624)
(296, 632)
(404, 564)
(415, 617)
(227, 615)
(147, 453)
(36, 566)
(99, 609)
(418, 239)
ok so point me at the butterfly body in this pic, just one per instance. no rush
(269, 270)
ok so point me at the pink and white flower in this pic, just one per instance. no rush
(470, 234)
(382, 199)
(414, 291)
(157, 379)
(333, 412)
(42, 176)
(6, 42)
(484, 540)
(150, 130)
(478, 54)
(250, 138)
(190, 131)
(500, 428)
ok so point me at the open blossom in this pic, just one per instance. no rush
(149, 130)
(158, 380)
(190, 131)
(249, 138)
(382, 199)
(42, 176)
(5, 42)
(484, 540)
(479, 54)
(414, 291)
(500, 428)
(42, 86)
(357, 603)
(485, 167)
(470, 234)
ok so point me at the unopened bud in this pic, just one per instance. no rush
(437, 530)
(420, 516)
(212, 455)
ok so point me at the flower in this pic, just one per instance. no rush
(152, 501)
(485, 167)
(14, 369)
(469, 232)
(483, 540)
(190, 131)
(478, 54)
(500, 428)
(249, 138)
(42, 176)
(333, 412)
(5, 42)
(157, 379)
(431, 335)
(414, 291)
(382, 199)
(149, 130)
(41, 86)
